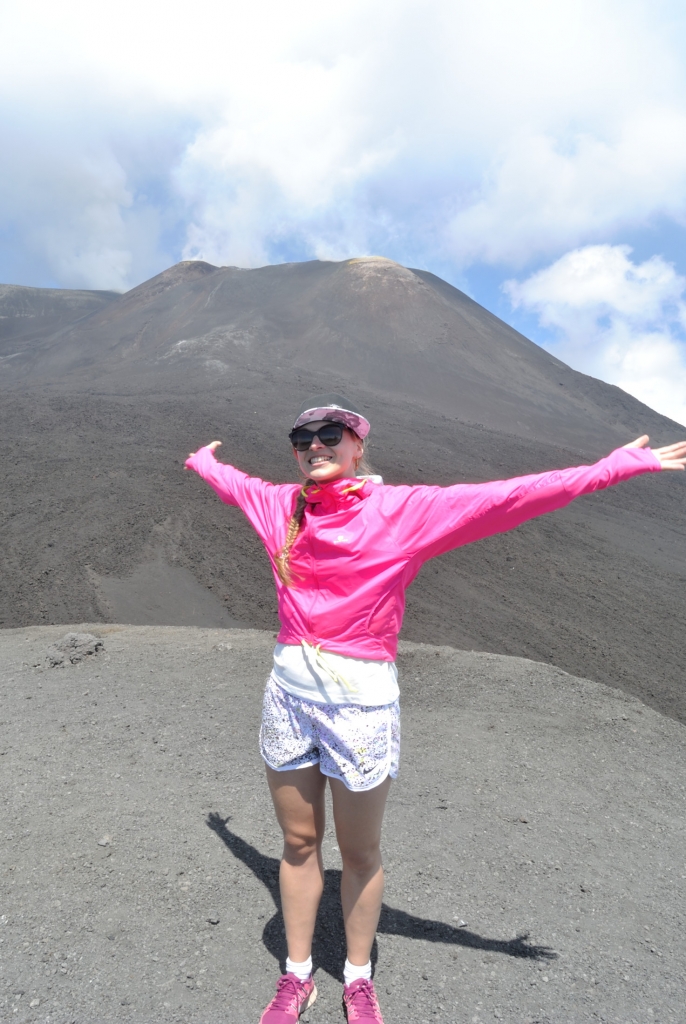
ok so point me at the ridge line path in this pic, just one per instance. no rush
(534, 842)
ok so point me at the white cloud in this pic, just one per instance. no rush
(615, 319)
(78, 202)
(438, 132)
(542, 197)
(492, 132)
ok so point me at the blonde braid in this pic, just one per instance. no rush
(295, 522)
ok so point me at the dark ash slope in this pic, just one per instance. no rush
(29, 314)
(98, 417)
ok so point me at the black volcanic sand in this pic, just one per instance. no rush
(95, 495)
(534, 842)
(100, 523)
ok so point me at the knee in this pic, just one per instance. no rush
(298, 847)
(363, 860)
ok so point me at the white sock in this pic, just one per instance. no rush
(351, 972)
(301, 971)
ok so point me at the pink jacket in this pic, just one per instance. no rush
(358, 550)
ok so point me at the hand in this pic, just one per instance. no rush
(212, 445)
(673, 456)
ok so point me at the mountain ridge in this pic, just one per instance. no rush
(392, 327)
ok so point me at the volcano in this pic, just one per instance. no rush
(103, 395)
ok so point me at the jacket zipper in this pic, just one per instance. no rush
(308, 527)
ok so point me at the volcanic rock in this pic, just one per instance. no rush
(73, 648)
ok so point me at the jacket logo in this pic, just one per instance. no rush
(342, 538)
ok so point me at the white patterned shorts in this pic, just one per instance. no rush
(358, 745)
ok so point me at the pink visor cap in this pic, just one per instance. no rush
(334, 408)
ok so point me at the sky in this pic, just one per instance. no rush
(532, 153)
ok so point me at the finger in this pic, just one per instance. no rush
(214, 444)
(672, 449)
(640, 442)
(672, 465)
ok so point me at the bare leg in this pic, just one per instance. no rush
(358, 818)
(298, 797)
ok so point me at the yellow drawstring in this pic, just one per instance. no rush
(354, 487)
(346, 490)
(329, 669)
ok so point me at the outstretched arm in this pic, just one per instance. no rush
(224, 479)
(436, 519)
(267, 506)
(213, 445)
(673, 456)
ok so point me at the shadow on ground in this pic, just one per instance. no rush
(329, 945)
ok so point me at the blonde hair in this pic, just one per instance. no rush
(282, 557)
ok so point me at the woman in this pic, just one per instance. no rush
(343, 548)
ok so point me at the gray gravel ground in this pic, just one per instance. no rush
(138, 851)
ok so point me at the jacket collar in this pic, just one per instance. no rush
(339, 494)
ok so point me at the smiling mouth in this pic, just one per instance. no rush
(319, 459)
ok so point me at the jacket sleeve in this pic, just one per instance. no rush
(267, 506)
(433, 520)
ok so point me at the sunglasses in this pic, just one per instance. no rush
(330, 434)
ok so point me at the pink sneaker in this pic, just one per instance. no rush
(360, 1002)
(292, 998)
